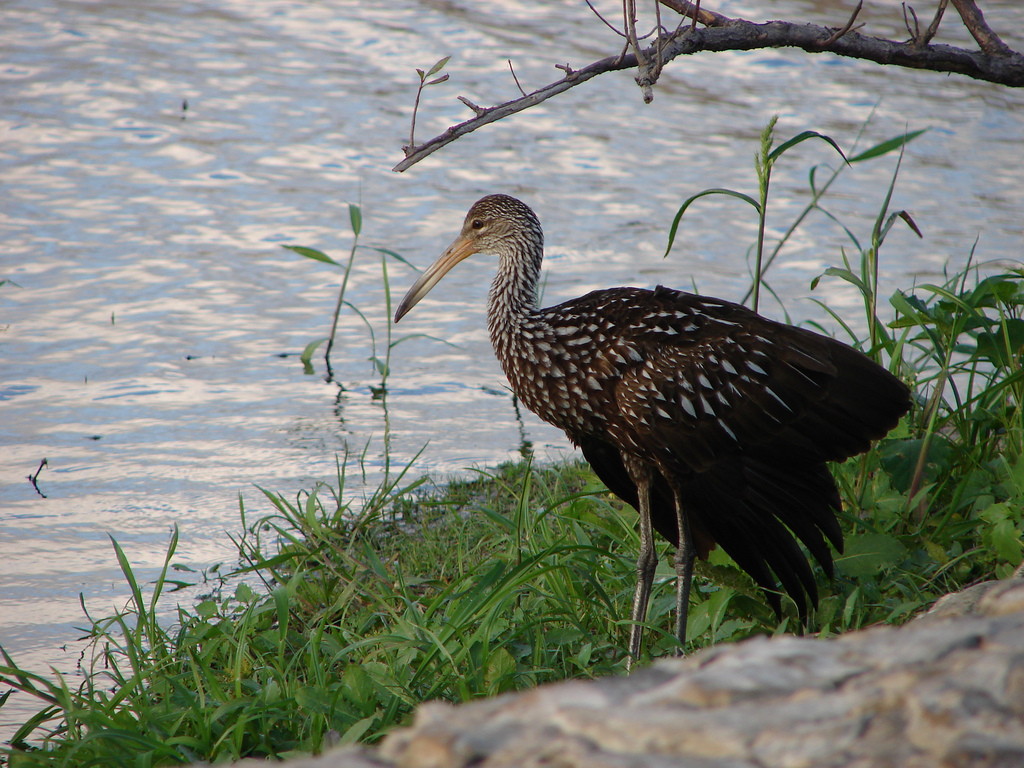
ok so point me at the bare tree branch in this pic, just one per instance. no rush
(914, 31)
(487, 115)
(513, 71)
(603, 19)
(934, 26)
(995, 62)
(987, 39)
(694, 11)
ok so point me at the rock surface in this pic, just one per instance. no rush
(944, 690)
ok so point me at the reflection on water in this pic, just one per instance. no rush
(149, 340)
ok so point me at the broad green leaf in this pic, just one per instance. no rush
(869, 554)
(1000, 346)
(996, 513)
(498, 675)
(244, 593)
(356, 731)
(1002, 535)
(936, 552)
(359, 688)
(315, 700)
(206, 608)
(584, 654)
(900, 457)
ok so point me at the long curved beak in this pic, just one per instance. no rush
(456, 252)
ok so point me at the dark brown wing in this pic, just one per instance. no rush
(716, 380)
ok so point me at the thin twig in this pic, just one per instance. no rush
(988, 40)
(603, 19)
(35, 477)
(480, 111)
(915, 33)
(934, 26)
(687, 9)
(657, 42)
(415, 109)
(849, 25)
(629, 21)
(419, 92)
(515, 78)
(622, 53)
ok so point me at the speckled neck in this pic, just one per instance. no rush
(513, 296)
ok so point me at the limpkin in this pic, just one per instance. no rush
(713, 422)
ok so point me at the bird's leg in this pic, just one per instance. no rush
(683, 561)
(645, 565)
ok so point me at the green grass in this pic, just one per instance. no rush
(343, 615)
(362, 616)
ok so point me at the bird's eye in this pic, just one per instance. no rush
(477, 224)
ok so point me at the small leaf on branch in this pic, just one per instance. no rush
(437, 67)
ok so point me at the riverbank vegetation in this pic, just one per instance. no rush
(346, 611)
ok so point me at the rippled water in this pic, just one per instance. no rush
(149, 340)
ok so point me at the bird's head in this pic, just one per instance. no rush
(496, 224)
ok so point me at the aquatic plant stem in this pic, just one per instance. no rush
(763, 162)
(355, 217)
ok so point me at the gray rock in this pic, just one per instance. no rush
(945, 690)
